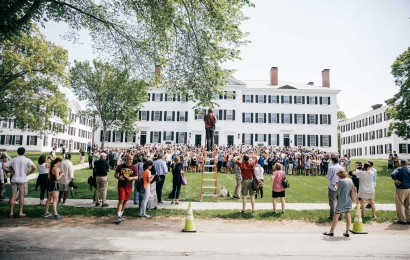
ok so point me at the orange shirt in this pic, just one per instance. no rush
(146, 175)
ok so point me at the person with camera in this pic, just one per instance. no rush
(68, 177)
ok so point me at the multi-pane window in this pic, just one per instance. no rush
(248, 139)
(229, 95)
(359, 137)
(229, 114)
(298, 99)
(312, 100)
(169, 98)
(117, 136)
(181, 137)
(168, 136)
(299, 118)
(325, 140)
(380, 149)
(261, 137)
(182, 115)
(17, 139)
(216, 96)
(260, 98)
(144, 115)
(286, 99)
(247, 98)
(157, 96)
(247, 117)
(274, 99)
(325, 101)
(155, 137)
(312, 140)
(274, 118)
(216, 113)
(7, 139)
(380, 133)
(169, 116)
(32, 140)
(274, 139)
(324, 119)
(299, 140)
(286, 118)
(402, 148)
(183, 98)
(260, 117)
(372, 150)
(157, 115)
(371, 120)
(5, 124)
(312, 119)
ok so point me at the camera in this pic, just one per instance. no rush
(72, 185)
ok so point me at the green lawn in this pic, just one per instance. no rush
(75, 157)
(303, 189)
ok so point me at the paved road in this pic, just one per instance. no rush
(215, 239)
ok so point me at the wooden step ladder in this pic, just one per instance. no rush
(209, 185)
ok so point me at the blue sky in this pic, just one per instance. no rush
(358, 40)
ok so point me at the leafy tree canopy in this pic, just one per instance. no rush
(113, 95)
(190, 39)
(31, 71)
(399, 109)
(341, 116)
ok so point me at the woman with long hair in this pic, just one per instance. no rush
(54, 176)
(42, 179)
(366, 188)
(176, 180)
(344, 202)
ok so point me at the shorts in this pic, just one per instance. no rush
(65, 187)
(124, 194)
(247, 186)
(224, 164)
(20, 187)
(280, 194)
(344, 210)
(53, 186)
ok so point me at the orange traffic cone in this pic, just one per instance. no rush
(189, 222)
(358, 224)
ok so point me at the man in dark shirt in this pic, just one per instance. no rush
(401, 177)
(324, 165)
(210, 121)
(101, 167)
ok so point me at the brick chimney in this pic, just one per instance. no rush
(325, 78)
(158, 73)
(377, 106)
(311, 83)
(274, 76)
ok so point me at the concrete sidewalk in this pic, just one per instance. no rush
(87, 203)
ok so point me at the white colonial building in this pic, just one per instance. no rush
(365, 135)
(75, 136)
(266, 112)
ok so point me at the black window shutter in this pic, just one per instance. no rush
(277, 118)
(281, 99)
(251, 139)
(321, 140)
(150, 137)
(320, 118)
(264, 137)
(220, 114)
(109, 136)
(162, 97)
(147, 115)
(139, 115)
(269, 139)
(277, 99)
(177, 137)
(308, 118)
(295, 141)
(178, 116)
(185, 137)
(174, 98)
(160, 116)
(304, 120)
(159, 137)
(303, 99)
(173, 115)
(165, 134)
(224, 114)
(13, 140)
(243, 98)
(320, 100)
(317, 140)
(269, 99)
(165, 116)
(269, 118)
(122, 136)
(2, 139)
(308, 141)
(234, 94)
(290, 99)
(304, 140)
(283, 118)
(133, 138)
(290, 117)
(264, 98)
(152, 115)
(172, 136)
(264, 117)
(220, 96)
(295, 116)
(294, 99)
(243, 138)
(225, 94)
(330, 140)
(328, 119)
(251, 98)
(315, 100)
(148, 96)
(186, 117)
(179, 98)
(277, 139)
(251, 117)
(256, 98)
(316, 119)
(153, 96)
(113, 136)
(166, 97)
(196, 117)
(233, 114)
(308, 100)
(328, 100)
(256, 138)
(101, 135)
(243, 117)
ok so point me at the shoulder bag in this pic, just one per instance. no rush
(353, 193)
(285, 183)
(254, 180)
(183, 180)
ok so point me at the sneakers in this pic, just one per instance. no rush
(97, 204)
(145, 216)
(57, 217)
(105, 205)
(119, 219)
(47, 215)
(122, 219)
(368, 206)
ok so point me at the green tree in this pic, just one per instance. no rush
(341, 116)
(95, 84)
(31, 71)
(190, 39)
(399, 105)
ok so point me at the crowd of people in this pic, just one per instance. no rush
(147, 165)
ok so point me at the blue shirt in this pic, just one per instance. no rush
(332, 177)
(160, 167)
(220, 157)
(402, 174)
(261, 161)
(286, 161)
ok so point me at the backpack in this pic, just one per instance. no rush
(91, 182)
(51, 153)
(140, 186)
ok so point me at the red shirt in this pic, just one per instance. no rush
(246, 168)
(210, 120)
(126, 171)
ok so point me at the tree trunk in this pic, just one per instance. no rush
(103, 137)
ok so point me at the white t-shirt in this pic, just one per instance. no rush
(168, 157)
(20, 166)
(42, 169)
(66, 167)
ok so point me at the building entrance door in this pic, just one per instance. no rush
(143, 137)
(286, 140)
(230, 140)
(198, 140)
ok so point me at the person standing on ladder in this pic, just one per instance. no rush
(210, 121)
